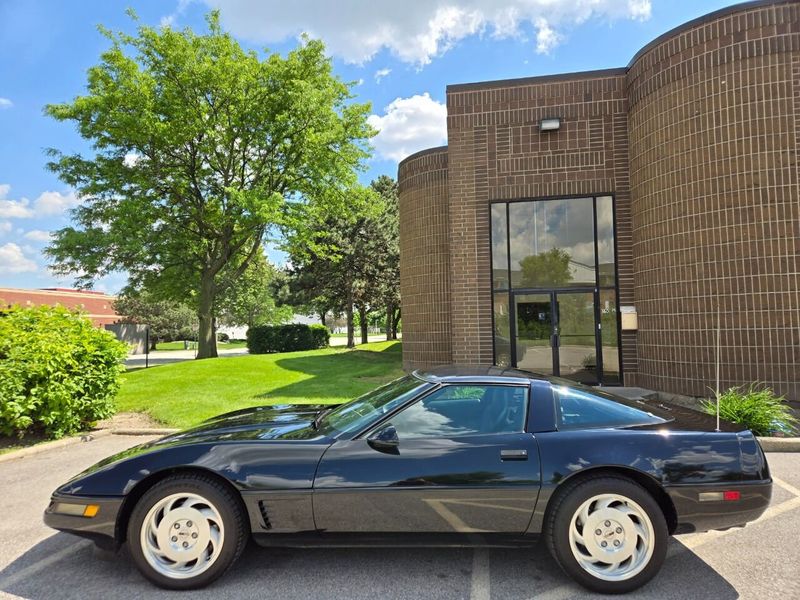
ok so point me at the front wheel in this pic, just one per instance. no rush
(608, 533)
(186, 531)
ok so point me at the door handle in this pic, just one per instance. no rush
(513, 455)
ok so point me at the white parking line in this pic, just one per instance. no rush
(30, 570)
(481, 587)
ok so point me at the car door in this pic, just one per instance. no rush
(456, 460)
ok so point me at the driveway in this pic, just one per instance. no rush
(759, 561)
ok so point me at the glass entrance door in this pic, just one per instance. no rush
(576, 337)
(534, 328)
(555, 333)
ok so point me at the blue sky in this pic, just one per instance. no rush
(402, 54)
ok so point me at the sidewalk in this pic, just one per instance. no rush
(172, 356)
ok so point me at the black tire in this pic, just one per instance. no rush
(559, 520)
(227, 505)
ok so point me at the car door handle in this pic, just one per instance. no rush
(513, 455)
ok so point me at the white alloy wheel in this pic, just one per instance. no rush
(182, 535)
(611, 537)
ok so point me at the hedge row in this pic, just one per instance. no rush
(286, 338)
(58, 373)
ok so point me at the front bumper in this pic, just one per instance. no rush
(101, 528)
(696, 515)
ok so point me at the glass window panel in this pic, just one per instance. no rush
(502, 332)
(578, 409)
(552, 243)
(499, 247)
(610, 336)
(605, 240)
(464, 410)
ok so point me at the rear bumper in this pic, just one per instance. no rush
(696, 515)
(101, 529)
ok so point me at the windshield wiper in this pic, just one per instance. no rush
(318, 419)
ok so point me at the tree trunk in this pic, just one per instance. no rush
(389, 320)
(362, 317)
(322, 318)
(349, 310)
(395, 322)
(206, 336)
(153, 344)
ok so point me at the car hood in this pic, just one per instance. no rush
(278, 422)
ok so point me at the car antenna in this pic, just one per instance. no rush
(717, 361)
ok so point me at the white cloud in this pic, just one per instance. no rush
(130, 159)
(547, 38)
(381, 73)
(12, 260)
(5, 227)
(47, 204)
(416, 31)
(5, 103)
(408, 125)
(37, 235)
(13, 209)
(55, 203)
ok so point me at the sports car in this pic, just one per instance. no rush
(454, 456)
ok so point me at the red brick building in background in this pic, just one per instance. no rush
(599, 225)
(98, 306)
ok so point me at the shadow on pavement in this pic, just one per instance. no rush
(63, 566)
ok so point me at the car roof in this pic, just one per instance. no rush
(477, 374)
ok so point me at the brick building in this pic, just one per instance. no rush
(598, 225)
(97, 305)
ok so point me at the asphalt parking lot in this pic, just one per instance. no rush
(759, 561)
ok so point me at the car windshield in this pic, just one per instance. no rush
(360, 412)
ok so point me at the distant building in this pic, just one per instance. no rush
(99, 307)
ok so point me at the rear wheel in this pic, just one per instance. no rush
(186, 531)
(608, 533)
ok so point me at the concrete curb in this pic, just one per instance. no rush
(143, 431)
(777, 444)
(45, 446)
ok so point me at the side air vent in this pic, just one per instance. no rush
(264, 515)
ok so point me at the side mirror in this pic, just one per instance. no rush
(385, 440)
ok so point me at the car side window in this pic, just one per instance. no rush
(464, 410)
(577, 409)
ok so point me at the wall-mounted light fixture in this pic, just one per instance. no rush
(550, 124)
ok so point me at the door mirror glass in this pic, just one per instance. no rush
(385, 439)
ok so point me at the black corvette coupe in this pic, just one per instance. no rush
(452, 457)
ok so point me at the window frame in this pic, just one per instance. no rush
(510, 289)
(388, 417)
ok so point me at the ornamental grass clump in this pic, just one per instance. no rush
(756, 408)
(58, 373)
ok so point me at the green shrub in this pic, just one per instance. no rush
(756, 407)
(58, 373)
(321, 335)
(263, 339)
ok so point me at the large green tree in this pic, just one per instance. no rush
(388, 232)
(249, 301)
(200, 151)
(352, 266)
(168, 320)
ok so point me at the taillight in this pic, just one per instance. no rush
(727, 495)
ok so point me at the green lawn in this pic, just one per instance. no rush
(183, 394)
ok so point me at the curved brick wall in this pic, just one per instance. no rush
(425, 258)
(714, 122)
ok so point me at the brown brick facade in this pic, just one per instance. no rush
(716, 202)
(697, 141)
(425, 259)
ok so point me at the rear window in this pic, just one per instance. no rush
(579, 409)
